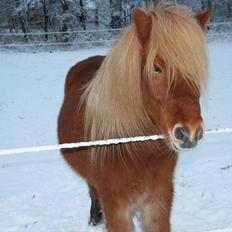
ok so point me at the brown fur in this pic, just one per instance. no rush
(120, 95)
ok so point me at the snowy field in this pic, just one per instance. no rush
(40, 193)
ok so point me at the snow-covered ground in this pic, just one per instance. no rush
(40, 193)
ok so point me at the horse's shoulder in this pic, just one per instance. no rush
(83, 71)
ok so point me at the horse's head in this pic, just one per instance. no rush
(174, 71)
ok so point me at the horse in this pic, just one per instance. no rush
(149, 83)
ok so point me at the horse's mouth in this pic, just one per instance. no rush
(177, 149)
(181, 148)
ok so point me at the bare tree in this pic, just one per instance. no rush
(82, 16)
(46, 17)
(20, 17)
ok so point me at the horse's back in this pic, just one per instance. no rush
(81, 73)
(70, 121)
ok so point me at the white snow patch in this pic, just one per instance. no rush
(40, 193)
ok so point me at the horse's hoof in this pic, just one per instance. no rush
(96, 219)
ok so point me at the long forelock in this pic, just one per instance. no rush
(114, 102)
(179, 40)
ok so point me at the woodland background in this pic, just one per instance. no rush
(25, 23)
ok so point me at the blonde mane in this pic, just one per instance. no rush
(114, 101)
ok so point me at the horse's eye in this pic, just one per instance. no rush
(157, 69)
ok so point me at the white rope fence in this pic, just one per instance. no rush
(98, 143)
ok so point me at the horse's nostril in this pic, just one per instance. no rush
(181, 133)
(186, 137)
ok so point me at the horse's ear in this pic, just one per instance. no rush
(203, 18)
(143, 25)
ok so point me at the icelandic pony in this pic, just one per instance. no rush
(149, 83)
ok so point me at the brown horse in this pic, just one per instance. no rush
(150, 83)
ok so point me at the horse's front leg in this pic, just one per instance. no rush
(117, 214)
(156, 210)
(95, 210)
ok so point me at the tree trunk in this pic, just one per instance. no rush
(82, 14)
(209, 4)
(22, 23)
(46, 18)
(116, 19)
(96, 20)
(229, 9)
(65, 27)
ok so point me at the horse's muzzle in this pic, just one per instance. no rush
(183, 137)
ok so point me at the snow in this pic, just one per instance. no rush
(40, 193)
